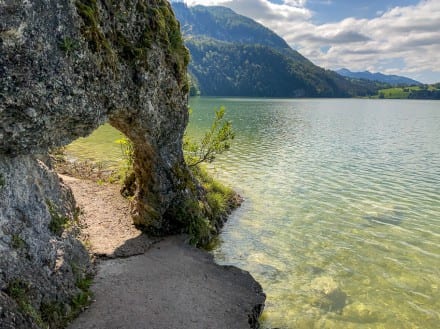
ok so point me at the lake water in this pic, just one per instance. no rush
(341, 219)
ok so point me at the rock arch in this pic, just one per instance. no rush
(67, 67)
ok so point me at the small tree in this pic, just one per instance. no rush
(215, 141)
(199, 219)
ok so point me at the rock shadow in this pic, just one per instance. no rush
(132, 247)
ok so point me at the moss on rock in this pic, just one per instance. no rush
(158, 27)
(202, 219)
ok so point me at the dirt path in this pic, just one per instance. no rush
(166, 285)
(106, 219)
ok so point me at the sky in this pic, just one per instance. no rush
(389, 36)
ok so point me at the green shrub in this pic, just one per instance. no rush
(203, 219)
(82, 299)
(194, 222)
(217, 202)
(57, 315)
(53, 313)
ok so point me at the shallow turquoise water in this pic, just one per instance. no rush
(341, 223)
(101, 146)
(341, 219)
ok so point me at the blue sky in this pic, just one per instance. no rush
(390, 36)
(333, 11)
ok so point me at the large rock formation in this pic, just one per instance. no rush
(66, 67)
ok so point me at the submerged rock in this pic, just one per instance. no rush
(380, 215)
(327, 295)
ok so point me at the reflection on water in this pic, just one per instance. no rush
(341, 223)
(341, 219)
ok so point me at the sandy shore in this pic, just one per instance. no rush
(143, 283)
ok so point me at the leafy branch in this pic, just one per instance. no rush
(215, 141)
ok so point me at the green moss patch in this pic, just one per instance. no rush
(19, 290)
(58, 221)
(155, 21)
(2, 180)
(202, 220)
(17, 242)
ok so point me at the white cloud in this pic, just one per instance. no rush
(408, 38)
(402, 40)
(262, 10)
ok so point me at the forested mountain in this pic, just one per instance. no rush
(224, 24)
(393, 80)
(233, 55)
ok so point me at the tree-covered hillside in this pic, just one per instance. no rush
(233, 69)
(233, 55)
(222, 23)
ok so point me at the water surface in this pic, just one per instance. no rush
(341, 223)
(100, 147)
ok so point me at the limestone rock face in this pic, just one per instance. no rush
(67, 67)
(41, 260)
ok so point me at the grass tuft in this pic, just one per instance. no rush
(2, 180)
(205, 219)
(17, 242)
(19, 290)
(58, 222)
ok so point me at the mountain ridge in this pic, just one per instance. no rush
(393, 80)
